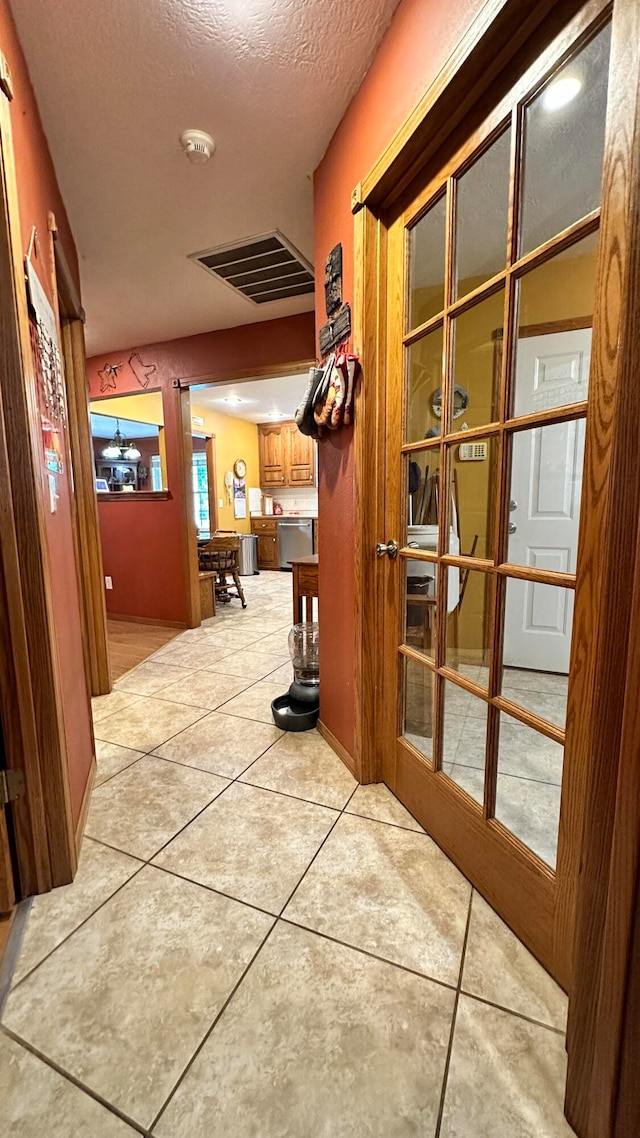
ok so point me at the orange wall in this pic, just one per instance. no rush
(420, 38)
(142, 542)
(38, 193)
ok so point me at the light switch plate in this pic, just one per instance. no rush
(108, 583)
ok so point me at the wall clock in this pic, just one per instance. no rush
(239, 468)
(460, 402)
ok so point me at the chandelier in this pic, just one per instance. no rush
(121, 450)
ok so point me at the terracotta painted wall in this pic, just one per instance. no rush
(420, 38)
(38, 193)
(137, 535)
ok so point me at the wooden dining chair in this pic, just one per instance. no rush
(221, 556)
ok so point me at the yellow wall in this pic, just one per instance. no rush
(235, 438)
(143, 408)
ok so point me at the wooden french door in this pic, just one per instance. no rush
(491, 291)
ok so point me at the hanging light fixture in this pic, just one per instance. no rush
(120, 449)
(115, 447)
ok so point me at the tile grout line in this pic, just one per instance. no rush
(277, 918)
(51, 1063)
(14, 987)
(203, 1041)
(512, 1012)
(456, 1000)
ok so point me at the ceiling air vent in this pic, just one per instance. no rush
(261, 268)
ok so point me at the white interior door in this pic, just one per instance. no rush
(546, 484)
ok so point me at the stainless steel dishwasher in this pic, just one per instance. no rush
(296, 539)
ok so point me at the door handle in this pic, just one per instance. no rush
(391, 549)
(512, 527)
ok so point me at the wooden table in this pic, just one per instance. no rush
(305, 584)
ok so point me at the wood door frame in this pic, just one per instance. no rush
(30, 698)
(603, 868)
(212, 483)
(84, 501)
(604, 1047)
(184, 436)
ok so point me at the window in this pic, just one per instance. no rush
(156, 472)
(201, 494)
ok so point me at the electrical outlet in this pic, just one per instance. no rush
(221, 503)
(108, 583)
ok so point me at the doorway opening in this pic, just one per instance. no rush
(253, 481)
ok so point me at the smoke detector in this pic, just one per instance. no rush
(197, 145)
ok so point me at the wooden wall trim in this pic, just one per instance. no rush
(84, 808)
(369, 460)
(148, 620)
(189, 530)
(336, 746)
(46, 854)
(85, 511)
(245, 375)
(7, 884)
(607, 618)
(499, 31)
(212, 483)
(135, 496)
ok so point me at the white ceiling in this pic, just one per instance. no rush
(118, 82)
(105, 426)
(262, 399)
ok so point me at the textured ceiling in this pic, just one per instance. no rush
(118, 82)
(261, 398)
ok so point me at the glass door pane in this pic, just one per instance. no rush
(482, 217)
(494, 351)
(564, 144)
(426, 265)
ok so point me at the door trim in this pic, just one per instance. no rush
(30, 698)
(182, 396)
(604, 727)
(84, 499)
(486, 51)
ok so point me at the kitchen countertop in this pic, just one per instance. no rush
(283, 517)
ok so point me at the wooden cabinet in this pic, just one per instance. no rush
(272, 456)
(287, 458)
(268, 551)
(301, 458)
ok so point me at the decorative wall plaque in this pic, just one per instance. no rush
(335, 330)
(333, 280)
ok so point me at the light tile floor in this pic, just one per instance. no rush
(255, 946)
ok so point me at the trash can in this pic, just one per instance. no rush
(248, 559)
